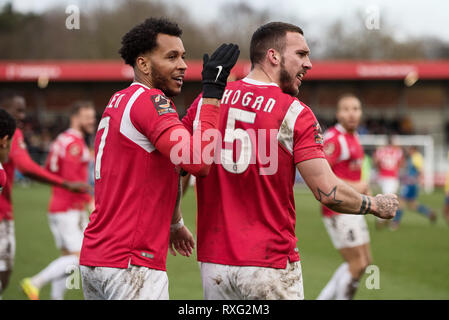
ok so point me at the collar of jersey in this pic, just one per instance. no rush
(74, 132)
(341, 129)
(259, 83)
(140, 84)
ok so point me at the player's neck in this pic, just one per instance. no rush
(259, 74)
(346, 130)
(78, 130)
(143, 80)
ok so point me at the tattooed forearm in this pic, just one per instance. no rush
(366, 205)
(328, 197)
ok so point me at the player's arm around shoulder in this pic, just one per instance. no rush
(337, 195)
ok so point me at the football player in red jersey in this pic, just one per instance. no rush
(68, 158)
(19, 159)
(388, 160)
(349, 233)
(246, 210)
(137, 184)
(7, 129)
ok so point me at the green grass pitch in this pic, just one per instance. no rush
(413, 261)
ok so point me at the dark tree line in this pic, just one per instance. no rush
(45, 36)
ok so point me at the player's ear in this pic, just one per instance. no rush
(143, 64)
(4, 141)
(273, 56)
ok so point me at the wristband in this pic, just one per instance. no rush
(176, 226)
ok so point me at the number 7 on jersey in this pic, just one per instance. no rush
(104, 124)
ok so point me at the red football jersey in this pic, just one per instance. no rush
(345, 156)
(2, 178)
(389, 161)
(69, 159)
(135, 185)
(17, 146)
(246, 209)
(20, 159)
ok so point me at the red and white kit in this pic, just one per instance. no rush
(388, 159)
(135, 185)
(345, 156)
(246, 209)
(69, 159)
(18, 159)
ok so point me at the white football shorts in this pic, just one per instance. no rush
(68, 229)
(133, 283)
(347, 230)
(225, 282)
(7, 245)
(389, 185)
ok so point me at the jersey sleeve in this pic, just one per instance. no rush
(2, 178)
(152, 114)
(189, 119)
(307, 137)
(26, 165)
(332, 148)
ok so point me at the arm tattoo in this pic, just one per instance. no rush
(385, 203)
(366, 205)
(333, 193)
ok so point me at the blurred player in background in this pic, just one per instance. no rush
(7, 129)
(137, 186)
(19, 159)
(246, 210)
(410, 188)
(349, 234)
(68, 158)
(388, 160)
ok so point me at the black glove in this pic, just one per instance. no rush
(216, 69)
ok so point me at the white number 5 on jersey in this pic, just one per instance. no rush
(231, 134)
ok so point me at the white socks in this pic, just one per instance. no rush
(55, 272)
(341, 286)
(329, 291)
(346, 286)
(58, 288)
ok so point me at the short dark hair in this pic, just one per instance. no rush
(81, 104)
(270, 35)
(142, 38)
(7, 124)
(6, 96)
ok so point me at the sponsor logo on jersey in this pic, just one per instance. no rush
(74, 150)
(162, 104)
(318, 133)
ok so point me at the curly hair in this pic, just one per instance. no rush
(142, 38)
(7, 124)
